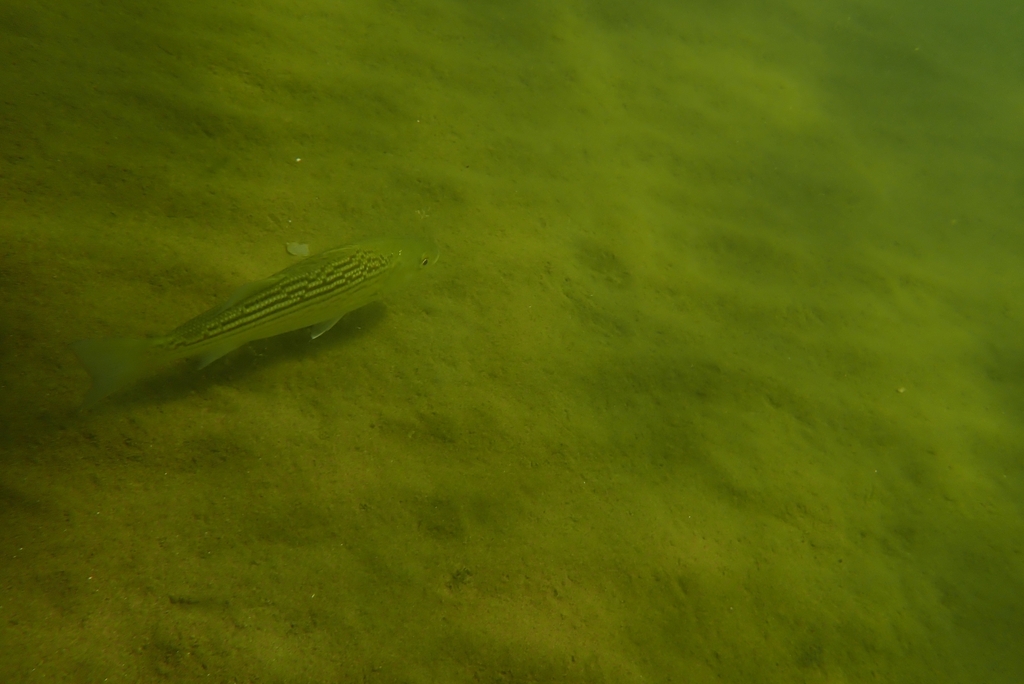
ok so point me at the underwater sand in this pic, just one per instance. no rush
(719, 377)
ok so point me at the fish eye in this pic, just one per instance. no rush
(426, 260)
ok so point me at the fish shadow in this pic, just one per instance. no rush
(183, 378)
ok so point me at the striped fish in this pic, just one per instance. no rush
(317, 292)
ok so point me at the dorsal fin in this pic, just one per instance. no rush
(241, 293)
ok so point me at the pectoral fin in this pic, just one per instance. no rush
(320, 328)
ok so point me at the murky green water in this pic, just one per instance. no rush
(719, 377)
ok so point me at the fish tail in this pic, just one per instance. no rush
(113, 364)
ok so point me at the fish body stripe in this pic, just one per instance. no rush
(353, 272)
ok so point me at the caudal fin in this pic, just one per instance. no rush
(112, 363)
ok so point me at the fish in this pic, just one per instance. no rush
(316, 292)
